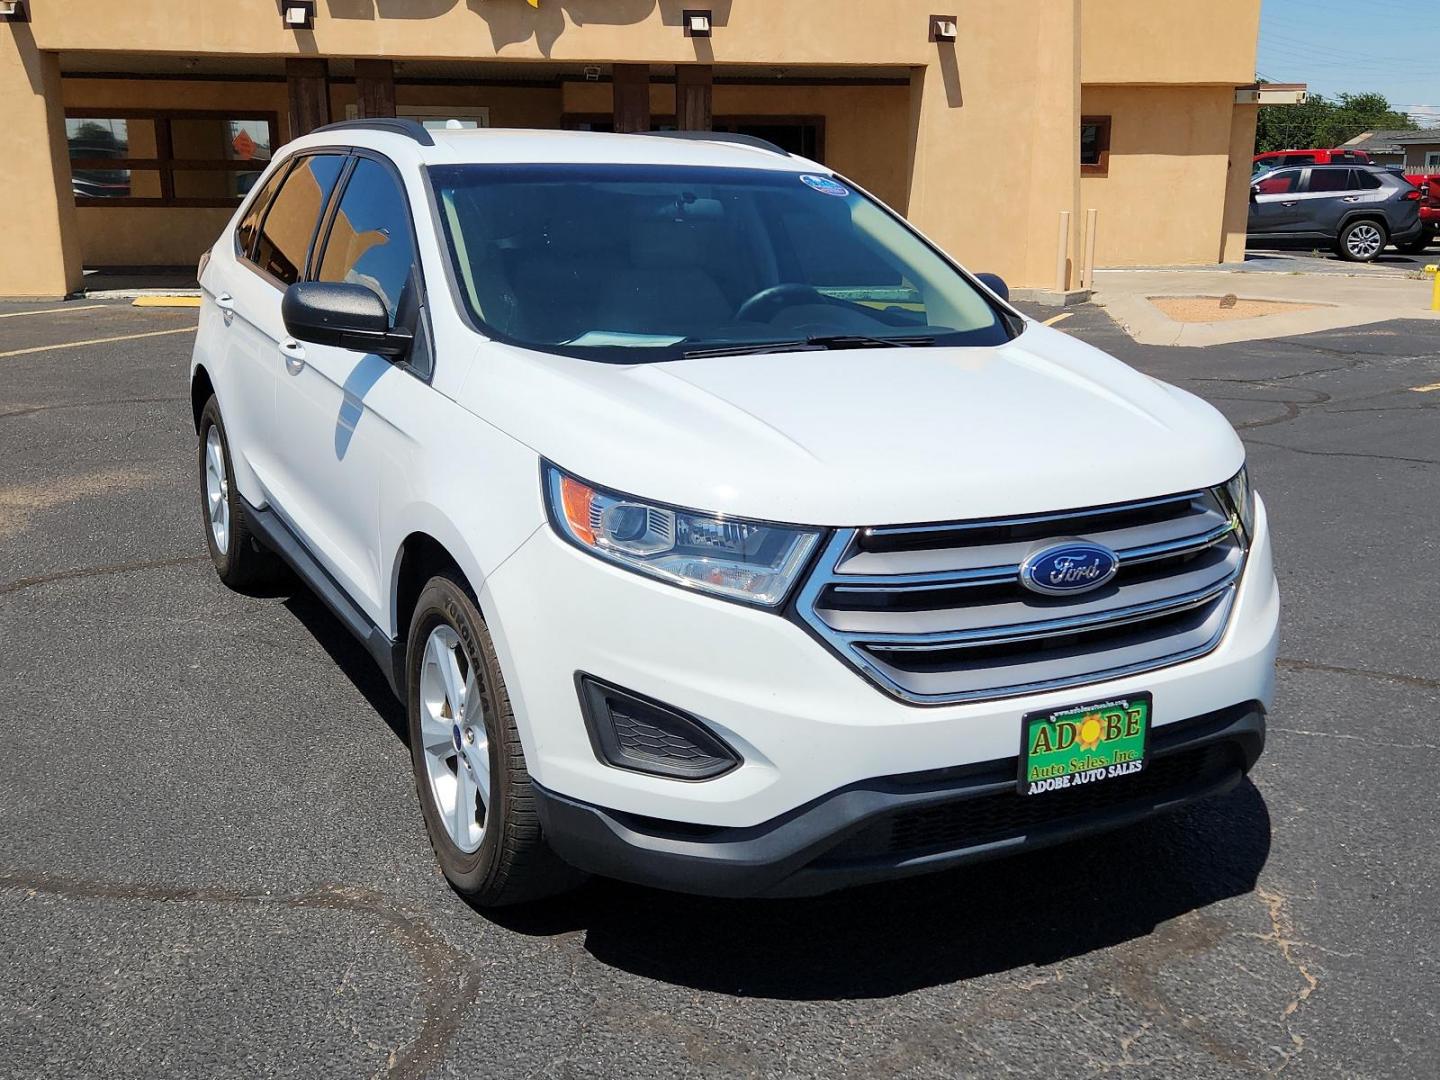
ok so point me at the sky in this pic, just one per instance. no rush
(1389, 46)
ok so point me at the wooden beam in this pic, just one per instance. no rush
(309, 83)
(693, 96)
(375, 87)
(632, 97)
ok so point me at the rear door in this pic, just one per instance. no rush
(276, 261)
(351, 421)
(1326, 195)
(1274, 202)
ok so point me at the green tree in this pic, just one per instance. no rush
(1326, 122)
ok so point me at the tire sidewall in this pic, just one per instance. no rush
(1345, 240)
(443, 602)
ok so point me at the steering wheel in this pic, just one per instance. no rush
(765, 303)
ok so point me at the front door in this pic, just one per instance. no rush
(345, 419)
(1275, 203)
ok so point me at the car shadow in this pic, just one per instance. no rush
(1033, 909)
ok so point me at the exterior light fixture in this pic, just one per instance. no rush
(697, 23)
(14, 11)
(299, 14)
(592, 72)
(944, 28)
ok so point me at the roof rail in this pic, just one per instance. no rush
(412, 129)
(720, 136)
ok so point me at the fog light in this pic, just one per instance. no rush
(632, 732)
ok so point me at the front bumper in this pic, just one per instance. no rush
(900, 825)
(805, 724)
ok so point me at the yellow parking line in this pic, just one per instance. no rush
(96, 341)
(1058, 318)
(51, 311)
(1426, 389)
(166, 301)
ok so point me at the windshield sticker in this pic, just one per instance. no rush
(825, 185)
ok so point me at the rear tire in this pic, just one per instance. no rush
(475, 790)
(1362, 241)
(239, 557)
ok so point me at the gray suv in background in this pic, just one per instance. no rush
(1356, 209)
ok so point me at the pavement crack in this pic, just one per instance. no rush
(1291, 664)
(1282, 936)
(1347, 453)
(441, 966)
(1356, 738)
(97, 571)
(30, 410)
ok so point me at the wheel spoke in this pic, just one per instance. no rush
(436, 733)
(454, 684)
(463, 816)
(479, 756)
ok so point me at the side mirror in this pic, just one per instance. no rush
(996, 284)
(342, 314)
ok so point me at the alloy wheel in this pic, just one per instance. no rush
(456, 741)
(1364, 241)
(217, 491)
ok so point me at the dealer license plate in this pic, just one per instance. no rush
(1067, 748)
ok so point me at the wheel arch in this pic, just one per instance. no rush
(421, 556)
(1377, 216)
(202, 388)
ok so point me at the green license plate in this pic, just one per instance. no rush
(1084, 744)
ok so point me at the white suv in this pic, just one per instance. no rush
(718, 531)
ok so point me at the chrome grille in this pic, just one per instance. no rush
(937, 613)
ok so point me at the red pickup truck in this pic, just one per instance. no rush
(1429, 185)
(1276, 158)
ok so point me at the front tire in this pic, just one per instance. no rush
(239, 557)
(475, 790)
(1362, 241)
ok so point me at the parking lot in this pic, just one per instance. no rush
(212, 862)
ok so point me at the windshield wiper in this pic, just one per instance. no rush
(813, 343)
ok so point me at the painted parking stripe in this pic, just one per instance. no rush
(51, 311)
(96, 341)
(1058, 318)
(1425, 389)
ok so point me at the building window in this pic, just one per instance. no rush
(172, 158)
(1094, 145)
(1432, 161)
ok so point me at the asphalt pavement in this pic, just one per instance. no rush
(212, 862)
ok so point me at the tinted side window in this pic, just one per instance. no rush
(1299, 159)
(1279, 183)
(1364, 181)
(1329, 180)
(371, 242)
(285, 238)
(249, 226)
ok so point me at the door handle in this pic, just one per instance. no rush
(226, 303)
(1351, 198)
(1291, 202)
(294, 354)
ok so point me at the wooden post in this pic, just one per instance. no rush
(309, 82)
(632, 97)
(693, 95)
(375, 88)
(1062, 254)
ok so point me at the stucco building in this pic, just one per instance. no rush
(132, 129)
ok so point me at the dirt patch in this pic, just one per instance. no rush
(1209, 309)
(18, 503)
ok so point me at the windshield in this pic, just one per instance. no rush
(636, 263)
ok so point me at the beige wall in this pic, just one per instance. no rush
(1145, 41)
(1163, 200)
(40, 256)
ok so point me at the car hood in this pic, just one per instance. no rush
(863, 436)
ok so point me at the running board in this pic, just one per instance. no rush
(388, 653)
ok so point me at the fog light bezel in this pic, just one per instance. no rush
(596, 696)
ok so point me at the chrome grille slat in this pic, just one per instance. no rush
(942, 619)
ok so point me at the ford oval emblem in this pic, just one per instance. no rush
(1064, 569)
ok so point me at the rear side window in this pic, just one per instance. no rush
(250, 224)
(291, 220)
(1364, 181)
(371, 242)
(1330, 180)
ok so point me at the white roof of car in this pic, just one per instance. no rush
(521, 146)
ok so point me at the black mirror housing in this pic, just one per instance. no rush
(344, 315)
(996, 284)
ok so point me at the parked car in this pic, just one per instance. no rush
(716, 529)
(1428, 184)
(1356, 209)
(1276, 159)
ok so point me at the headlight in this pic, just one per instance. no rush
(750, 561)
(1241, 499)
